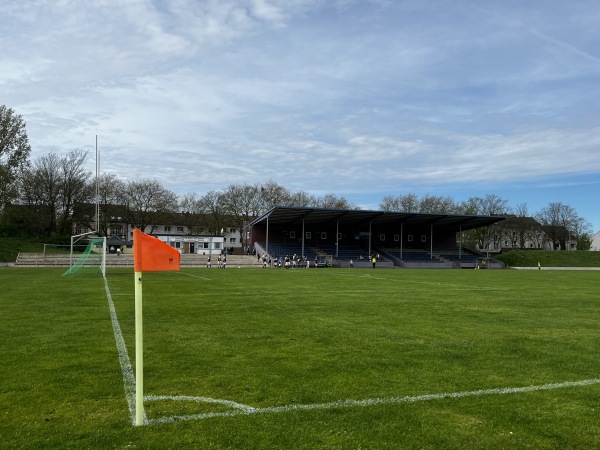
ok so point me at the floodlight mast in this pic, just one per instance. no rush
(97, 187)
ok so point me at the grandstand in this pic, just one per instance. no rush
(333, 237)
(397, 239)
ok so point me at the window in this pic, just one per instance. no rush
(180, 229)
(177, 245)
(232, 239)
(205, 245)
(396, 238)
(409, 238)
(382, 237)
(339, 236)
(308, 235)
(292, 235)
(323, 235)
(167, 228)
(506, 243)
(423, 238)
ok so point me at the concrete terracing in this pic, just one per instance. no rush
(126, 260)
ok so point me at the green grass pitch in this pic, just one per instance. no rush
(317, 358)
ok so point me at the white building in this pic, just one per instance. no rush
(178, 237)
(596, 242)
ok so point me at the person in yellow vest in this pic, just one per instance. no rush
(374, 260)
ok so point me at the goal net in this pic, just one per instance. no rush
(93, 257)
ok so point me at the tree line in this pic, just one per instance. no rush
(44, 197)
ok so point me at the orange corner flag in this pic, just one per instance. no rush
(153, 255)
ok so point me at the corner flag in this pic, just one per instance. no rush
(149, 255)
(153, 255)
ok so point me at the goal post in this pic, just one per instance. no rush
(94, 255)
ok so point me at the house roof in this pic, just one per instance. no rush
(283, 215)
(116, 240)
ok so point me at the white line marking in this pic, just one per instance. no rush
(246, 410)
(229, 403)
(128, 376)
(194, 276)
(241, 409)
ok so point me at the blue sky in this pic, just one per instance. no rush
(358, 98)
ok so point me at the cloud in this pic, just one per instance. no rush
(347, 94)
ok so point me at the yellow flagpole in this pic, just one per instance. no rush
(139, 352)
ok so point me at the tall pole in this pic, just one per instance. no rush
(97, 187)
(401, 239)
(459, 241)
(267, 236)
(370, 223)
(139, 352)
(337, 242)
(303, 237)
(431, 241)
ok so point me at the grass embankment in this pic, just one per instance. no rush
(530, 258)
(10, 247)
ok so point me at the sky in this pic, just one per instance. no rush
(359, 98)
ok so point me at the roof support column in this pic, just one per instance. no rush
(459, 241)
(370, 223)
(337, 242)
(302, 253)
(401, 239)
(267, 237)
(431, 241)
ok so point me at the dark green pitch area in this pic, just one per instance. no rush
(289, 339)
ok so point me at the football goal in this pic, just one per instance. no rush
(94, 256)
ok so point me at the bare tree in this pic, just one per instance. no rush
(58, 183)
(437, 205)
(582, 230)
(30, 216)
(272, 195)
(14, 153)
(112, 205)
(559, 222)
(45, 186)
(401, 203)
(211, 207)
(242, 203)
(190, 217)
(516, 228)
(490, 205)
(301, 199)
(149, 204)
(334, 202)
(74, 187)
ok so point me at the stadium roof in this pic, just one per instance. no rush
(284, 215)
